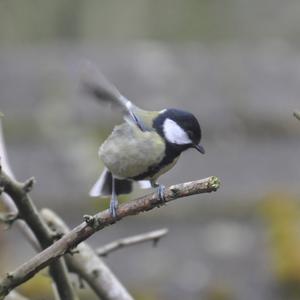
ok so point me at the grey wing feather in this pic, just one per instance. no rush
(94, 83)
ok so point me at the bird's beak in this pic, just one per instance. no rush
(199, 148)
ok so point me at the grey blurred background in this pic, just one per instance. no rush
(235, 64)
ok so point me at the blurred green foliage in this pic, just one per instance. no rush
(38, 288)
(43, 20)
(219, 291)
(145, 294)
(206, 20)
(282, 215)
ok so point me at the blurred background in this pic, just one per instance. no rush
(235, 64)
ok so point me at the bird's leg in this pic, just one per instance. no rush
(160, 191)
(114, 200)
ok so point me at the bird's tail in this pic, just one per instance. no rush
(103, 186)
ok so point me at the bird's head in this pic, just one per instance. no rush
(180, 129)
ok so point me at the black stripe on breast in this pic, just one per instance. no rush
(170, 154)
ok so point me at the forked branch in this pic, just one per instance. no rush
(99, 221)
(21, 206)
(88, 265)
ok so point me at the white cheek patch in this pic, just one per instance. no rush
(174, 133)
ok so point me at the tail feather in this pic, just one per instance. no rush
(98, 187)
(103, 186)
(144, 184)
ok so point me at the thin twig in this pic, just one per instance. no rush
(33, 226)
(153, 236)
(88, 265)
(98, 222)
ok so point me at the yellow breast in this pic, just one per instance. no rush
(129, 152)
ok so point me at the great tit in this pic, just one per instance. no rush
(144, 147)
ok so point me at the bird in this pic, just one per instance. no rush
(145, 146)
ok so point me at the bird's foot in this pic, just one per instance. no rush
(113, 206)
(161, 193)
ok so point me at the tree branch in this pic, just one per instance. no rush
(98, 222)
(34, 227)
(29, 213)
(7, 201)
(88, 265)
(153, 236)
